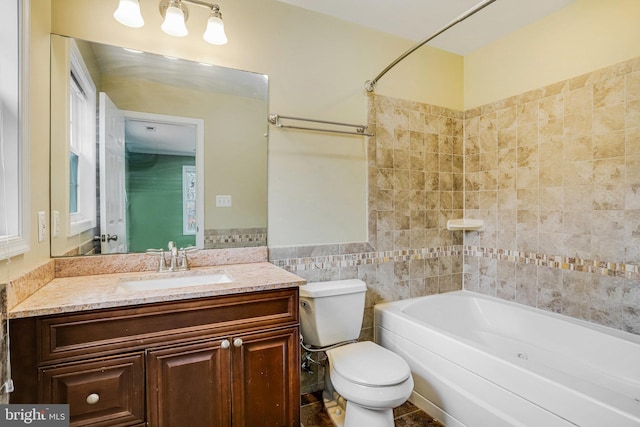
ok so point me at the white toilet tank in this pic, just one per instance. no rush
(331, 312)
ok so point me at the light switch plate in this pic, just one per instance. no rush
(42, 226)
(223, 201)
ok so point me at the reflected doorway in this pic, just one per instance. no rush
(164, 181)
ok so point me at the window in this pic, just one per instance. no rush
(14, 209)
(82, 146)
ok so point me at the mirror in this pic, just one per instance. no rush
(178, 152)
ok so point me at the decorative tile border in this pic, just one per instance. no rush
(235, 238)
(593, 266)
(605, 268)
(365, 258)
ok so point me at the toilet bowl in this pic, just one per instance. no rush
(363, 381)
(371, 379)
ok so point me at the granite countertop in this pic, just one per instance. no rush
(80, 293)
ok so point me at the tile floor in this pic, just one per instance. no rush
(312, 414)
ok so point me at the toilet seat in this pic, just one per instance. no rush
(368, 364)
(370, 376)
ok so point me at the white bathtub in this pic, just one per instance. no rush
(481, 361)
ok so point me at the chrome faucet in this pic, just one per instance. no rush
(178, 260)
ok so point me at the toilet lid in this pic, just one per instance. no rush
(367, 363)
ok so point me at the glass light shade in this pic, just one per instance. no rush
(214, 33)
(128, 13)
(174, 22)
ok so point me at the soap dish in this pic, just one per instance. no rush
(465, 224)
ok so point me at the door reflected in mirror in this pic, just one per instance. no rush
(147, 149)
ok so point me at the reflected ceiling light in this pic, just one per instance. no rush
(128, 13)
(175, 15)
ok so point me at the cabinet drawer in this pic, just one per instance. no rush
(105, 332)
(107, 392)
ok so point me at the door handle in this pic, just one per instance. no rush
(109, 237)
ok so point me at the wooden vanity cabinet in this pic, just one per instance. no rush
(221, 361)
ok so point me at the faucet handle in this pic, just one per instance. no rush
(189, 249)
(162, 264)
(184, 261)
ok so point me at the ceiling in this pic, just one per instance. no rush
(151, 137)
(418, 19)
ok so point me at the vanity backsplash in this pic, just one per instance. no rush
(26, 285)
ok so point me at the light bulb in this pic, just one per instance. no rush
(174, 22)
(214, 33)
(128, 13)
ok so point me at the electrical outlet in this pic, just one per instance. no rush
(42, 226)
(223, 201)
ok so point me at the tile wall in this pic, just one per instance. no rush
(555, 174)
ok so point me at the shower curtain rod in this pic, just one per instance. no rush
(370, 85)
(274, 119)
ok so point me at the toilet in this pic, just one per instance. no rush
(363, 381)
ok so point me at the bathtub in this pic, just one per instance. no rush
(481, 361)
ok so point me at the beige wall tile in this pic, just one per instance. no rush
(608, 119)
(609, 92)
(578, 100)
(610, 144)
(633, 86)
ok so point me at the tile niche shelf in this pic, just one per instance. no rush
(465, 224)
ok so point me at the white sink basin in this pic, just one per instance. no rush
(173, 281)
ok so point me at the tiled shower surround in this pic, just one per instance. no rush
(553, 172)
(555, 175)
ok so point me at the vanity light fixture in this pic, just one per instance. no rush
(214, 33)
(175, 15)
(128, 13)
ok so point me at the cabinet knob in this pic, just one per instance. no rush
(224, 344)
(237, 342)
(93, 398)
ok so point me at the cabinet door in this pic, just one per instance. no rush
(189, 386)
(266, 379)
(99, 393)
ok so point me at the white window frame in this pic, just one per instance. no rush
(14, 130)
(85, 218)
